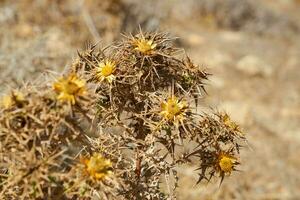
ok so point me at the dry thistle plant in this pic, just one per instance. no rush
(116, 126)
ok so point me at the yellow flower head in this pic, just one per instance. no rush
(173, 109)
(106, 71)
(69, 87)
(144, 46)
(98, 167)
(15, 98)
(226, 163)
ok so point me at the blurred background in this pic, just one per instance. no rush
(252, 48)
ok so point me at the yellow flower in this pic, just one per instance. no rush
(69, 87)
(98, 167)
(144, 46)
(173, 109)
(226, 163)
(15, 98)
(105, 71)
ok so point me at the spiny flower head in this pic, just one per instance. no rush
(69, 87)
(173, 109)
(226, 163)
(97, 166)
(144, 46)
(106, 71)
(229, 123)
(15, 98)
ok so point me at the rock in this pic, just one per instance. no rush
(253, 66)
(7, 14)
(24, 30)
(195, 39)
(232, 36)
(217, 59)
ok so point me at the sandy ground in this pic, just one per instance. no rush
(255, 61)
(265, 100)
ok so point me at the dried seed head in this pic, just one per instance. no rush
(173, 109)
(15, 98)
(69, 87)
(98, 167)
(144, 46)
(105, 71)
(17, 122)
(229, 123)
